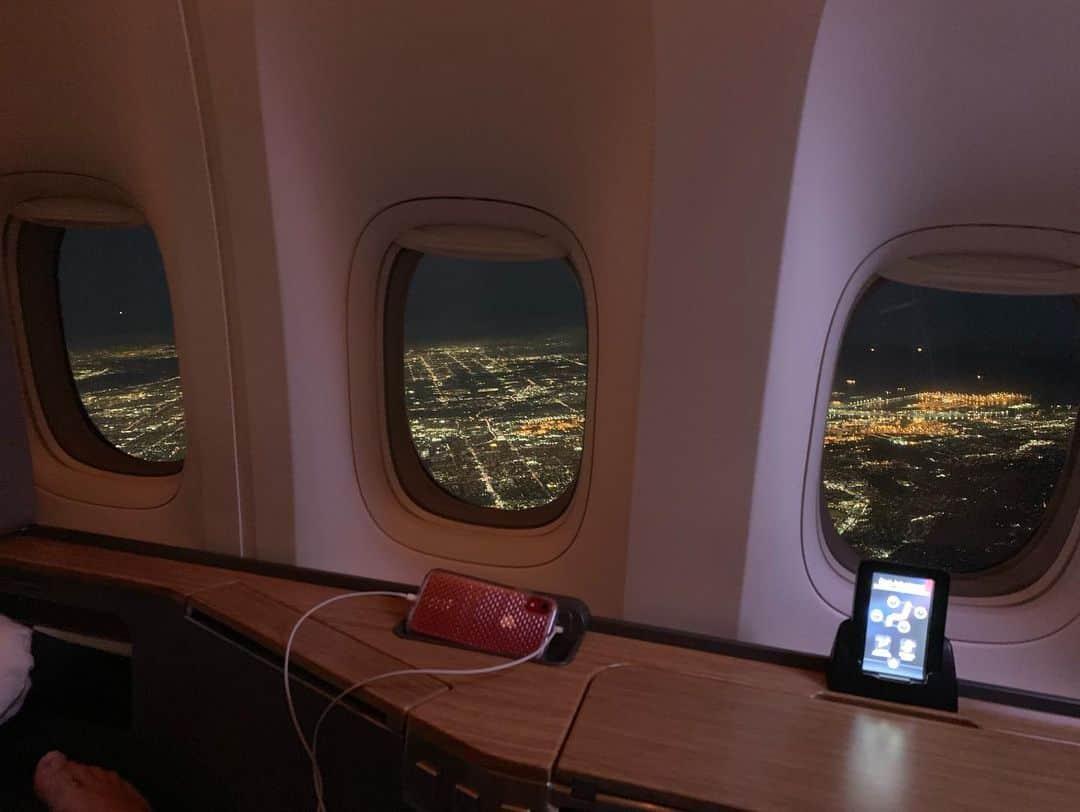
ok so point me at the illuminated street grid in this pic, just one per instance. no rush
(942, 479)
(133, 397)
(499, 424)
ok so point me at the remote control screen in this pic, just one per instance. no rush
(898, 618)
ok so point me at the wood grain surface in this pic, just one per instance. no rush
(647, 722)
(327, 653)
(700, 743)
(176, 579)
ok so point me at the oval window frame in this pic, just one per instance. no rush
(55, 472)
(421, 487)
(1019, 614)
(37, 244)
(396, 513)
(1035, 556)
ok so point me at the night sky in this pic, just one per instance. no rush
(465, 300)
(113, 289)
(1020, 343)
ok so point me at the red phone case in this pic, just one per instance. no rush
(481, 615)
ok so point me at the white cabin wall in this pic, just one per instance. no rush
(729, 86)
(223, 48)
(555, 111)
(105, 90)
(366, 105)
(722, 197)
(917, 114)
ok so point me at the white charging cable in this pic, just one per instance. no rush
(312, 749)
(316, 774)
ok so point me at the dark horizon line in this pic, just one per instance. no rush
(565, 333)
(145, 342)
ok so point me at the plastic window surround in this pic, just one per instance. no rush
(991, 607)
(500, 228)
(1043, 547)
(470, 243)
(34, 232)
(55, 472)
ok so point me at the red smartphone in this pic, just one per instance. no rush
(481, 615)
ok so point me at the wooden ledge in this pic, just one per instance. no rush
(329, 654)
(640, 722)
(174, 579)
(701, 743)
(910, 711)
(514, 722)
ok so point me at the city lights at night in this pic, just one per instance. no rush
(942, 477)
(132, 395)
(950, 423)
(501, 424)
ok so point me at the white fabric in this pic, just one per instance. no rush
(15, 664)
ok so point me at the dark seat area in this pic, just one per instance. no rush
(80, 704)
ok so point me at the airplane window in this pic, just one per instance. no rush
(491, 362)
(118, 330)
(950, 423)
(99, 332)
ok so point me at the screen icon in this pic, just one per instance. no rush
(898, 611)
(882, 642)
